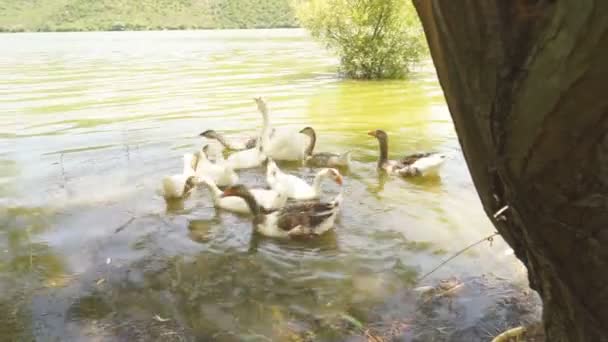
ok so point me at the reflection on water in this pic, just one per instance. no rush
(92, 121)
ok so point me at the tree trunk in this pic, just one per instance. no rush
(526, 82)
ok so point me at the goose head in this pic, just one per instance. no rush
(209, 134)
(332, 174)
(379, 134)
(261, 103)
(272, 170)
(309, 131)
(190, 183)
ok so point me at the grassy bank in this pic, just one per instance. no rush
(119, 15)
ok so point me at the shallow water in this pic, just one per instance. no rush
(88, 249)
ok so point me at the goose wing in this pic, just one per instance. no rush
(412, 158)
(305, 215)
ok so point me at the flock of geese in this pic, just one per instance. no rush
(304, 215)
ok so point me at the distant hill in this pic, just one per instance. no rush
(117, 15)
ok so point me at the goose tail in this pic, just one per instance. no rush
(171, 188)
(345, 158)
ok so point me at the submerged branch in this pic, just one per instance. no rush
(487, 238)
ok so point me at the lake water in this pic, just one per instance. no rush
(90, 123)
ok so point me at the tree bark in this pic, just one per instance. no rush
(526, 82)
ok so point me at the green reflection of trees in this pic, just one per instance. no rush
(343, 112)
(233, 295)
(23, 254)
(26, 265)
(15, 320)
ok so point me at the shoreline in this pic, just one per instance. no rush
(129, 28)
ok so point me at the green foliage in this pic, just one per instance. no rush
(374, 38)
(118, 15)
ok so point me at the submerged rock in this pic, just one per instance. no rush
(474, 309)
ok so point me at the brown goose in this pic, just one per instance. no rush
(417, 164)
(322, 159)
(298, 219)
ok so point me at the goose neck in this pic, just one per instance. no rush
(383, 150)
(311, 143)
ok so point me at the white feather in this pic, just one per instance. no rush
(429, 164)
(293, 186)
(285, 143)
(173, 186)
(220, 173)
(246, 159)
(268, 199)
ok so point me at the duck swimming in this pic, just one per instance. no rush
(180, 186)
(418, 164)
(283, 144)
(322, 159)
(299, 219)
(267, 199)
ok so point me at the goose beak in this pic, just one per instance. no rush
(372, 133)
(339, 180)
(228, 192)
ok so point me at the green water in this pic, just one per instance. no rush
(89, 124)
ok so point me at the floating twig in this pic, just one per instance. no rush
(160, 319)
(124, 225)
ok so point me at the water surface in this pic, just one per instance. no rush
(92, 121)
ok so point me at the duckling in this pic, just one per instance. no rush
(299, 219)
(323, 159)
(418, 164)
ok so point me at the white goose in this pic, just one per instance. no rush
(284, 144)
(247, 159)
(180, 185)
(295, 187)
(268, 199)
(220, 172)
